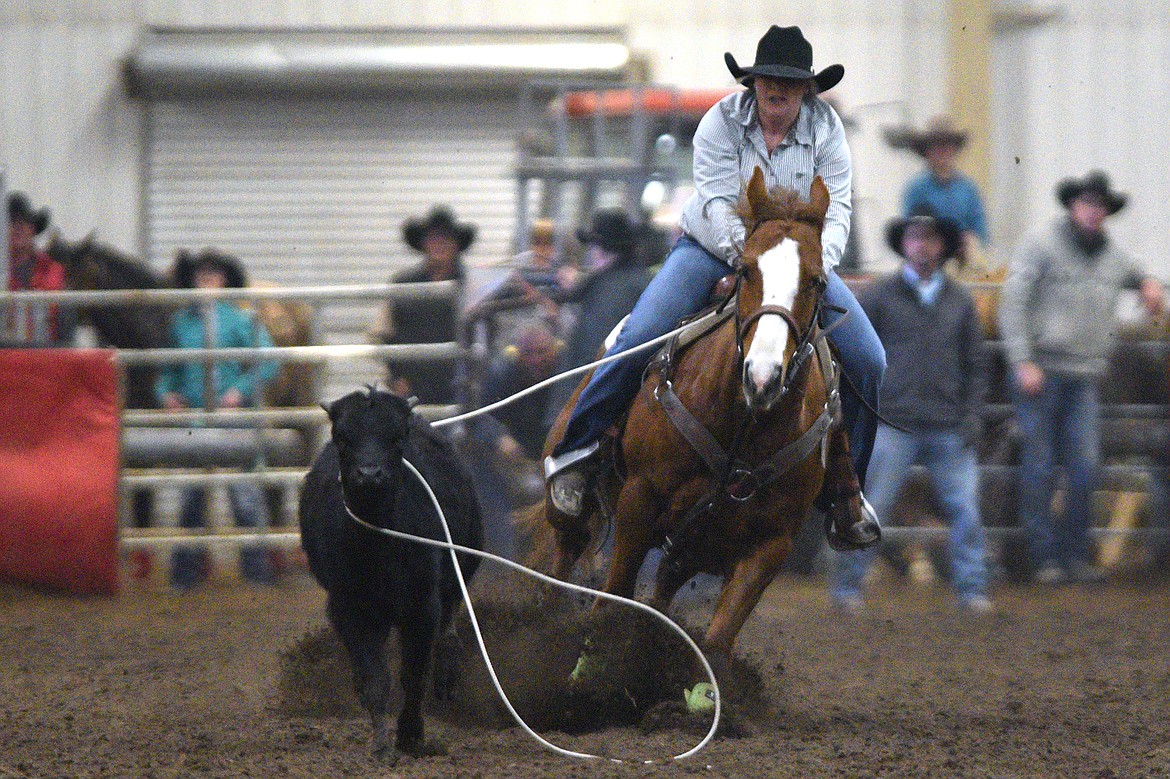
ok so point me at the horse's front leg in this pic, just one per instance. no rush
(742, 590)
(637, 509)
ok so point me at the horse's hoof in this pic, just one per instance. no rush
(700, 699)
(862, 533)
(587, 667)
(421, 747)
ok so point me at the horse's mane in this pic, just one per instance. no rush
(124, 271)
(115, 269)
(782, 203)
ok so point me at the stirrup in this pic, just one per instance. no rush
(568, 476)
(862, 534)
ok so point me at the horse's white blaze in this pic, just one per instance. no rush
(780, 268)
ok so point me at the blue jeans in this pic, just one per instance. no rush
(1058, 428)
(954, 472)
(250, 510)
(680, 289)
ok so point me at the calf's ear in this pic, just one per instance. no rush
(329, 408)
(411, 402)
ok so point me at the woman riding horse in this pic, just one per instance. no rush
(734, 431)
(780, 126)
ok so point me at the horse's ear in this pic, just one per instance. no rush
(819, 198)
(757, 192)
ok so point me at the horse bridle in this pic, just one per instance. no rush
(806, 336)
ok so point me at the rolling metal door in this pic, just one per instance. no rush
(314, 191)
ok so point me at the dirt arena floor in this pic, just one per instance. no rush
(1069, 682)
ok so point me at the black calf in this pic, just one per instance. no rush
(376, 582)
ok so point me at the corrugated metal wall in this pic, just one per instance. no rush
(316, 191)
(1087, 89)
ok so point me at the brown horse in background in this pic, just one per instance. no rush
(773, 416)
(92, 265)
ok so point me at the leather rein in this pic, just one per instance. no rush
(734, 478)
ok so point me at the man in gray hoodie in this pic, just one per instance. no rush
(1057, 317)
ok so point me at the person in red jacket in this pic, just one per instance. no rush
(30, 268)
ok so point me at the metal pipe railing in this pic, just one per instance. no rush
(317, 353)
(423, 290)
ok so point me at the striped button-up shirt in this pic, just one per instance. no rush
(729, 145)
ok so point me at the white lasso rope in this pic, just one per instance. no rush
(554, 379)
(452, 547)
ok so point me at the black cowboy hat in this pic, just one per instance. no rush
(612, 230)
(21, 210)
(187, 263)
(783, 52)
(951, 234)
(940, 130)
(1095, 182)
(440, 218)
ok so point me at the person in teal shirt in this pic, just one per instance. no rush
(942, 187)
(235, 385)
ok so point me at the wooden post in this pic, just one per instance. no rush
(969, 27)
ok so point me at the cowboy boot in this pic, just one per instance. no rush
(568, 476)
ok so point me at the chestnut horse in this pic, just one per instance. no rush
(725, 483)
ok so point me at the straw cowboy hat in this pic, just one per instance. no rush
(442, 220)
(783, 52)
(1095, 182)
(940, 130)
(947, 229)
(21, 210)
(188, 263)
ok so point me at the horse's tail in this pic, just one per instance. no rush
(538, 544)
(536, 538)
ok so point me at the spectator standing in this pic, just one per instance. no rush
(1057, 314)
(442, 241)
(610, 283)
(535, 275)
(233, 384)
(933, 388)
(942, 187)
(31, 268)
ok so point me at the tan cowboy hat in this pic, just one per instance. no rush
(940, 130)
(1095, 182)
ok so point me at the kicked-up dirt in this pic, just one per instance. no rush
(238, 681)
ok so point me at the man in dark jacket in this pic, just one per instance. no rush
(442, 241)
(612, 281)
(933, 387)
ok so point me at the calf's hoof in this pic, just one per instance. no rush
(417, 746)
